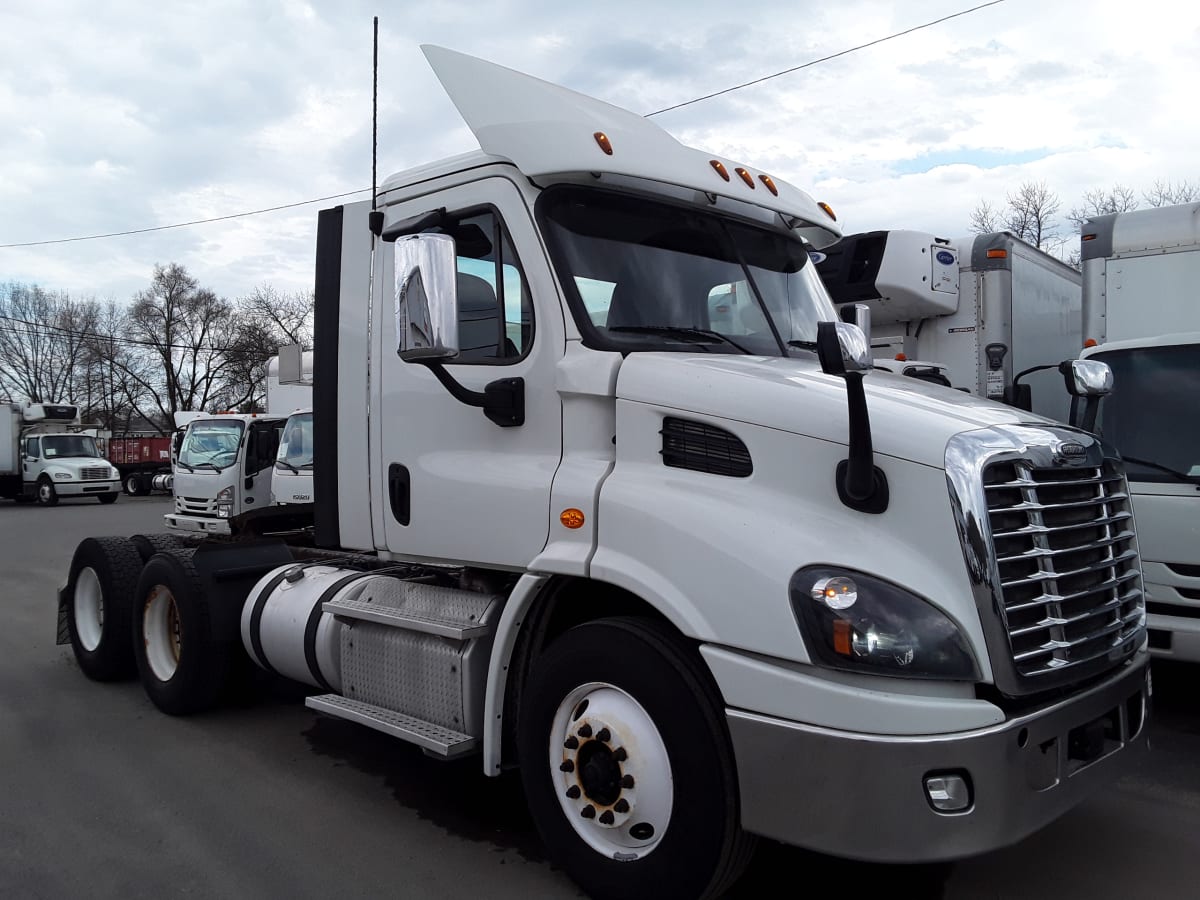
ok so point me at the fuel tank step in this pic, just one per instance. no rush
(368, 610)
(434, 738)
(416, 606)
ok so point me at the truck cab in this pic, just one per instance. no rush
(67, 465)
(292, 480)
(223, 468)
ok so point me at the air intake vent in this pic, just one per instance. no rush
(704, 448)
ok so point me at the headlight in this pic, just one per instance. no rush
(225, 503)
(853, 621)
(63, 476)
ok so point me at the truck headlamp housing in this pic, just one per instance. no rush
(225, 503)
(853, 621)
(62, 476)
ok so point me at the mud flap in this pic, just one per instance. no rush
(64, 630)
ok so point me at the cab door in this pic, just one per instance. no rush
(457, 486)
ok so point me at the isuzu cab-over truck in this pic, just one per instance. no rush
(697, 581)
(1142, 312)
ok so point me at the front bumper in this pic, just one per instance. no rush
(863, 796)
(196, 524)
(86, 488)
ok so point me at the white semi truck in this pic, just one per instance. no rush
(1142, 311)
(45, 456)
(972, 313)
(696, 581)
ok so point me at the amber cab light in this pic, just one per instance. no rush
(746, 176)
(827, 209)
(603, 141)
(720, 168)
(770, 183)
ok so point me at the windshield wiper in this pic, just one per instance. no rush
(1159, 467)
(211, 465)
(682, 332)
(180, 462)
(803, 345)
(284, 462)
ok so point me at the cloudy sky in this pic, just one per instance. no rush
(120, 115)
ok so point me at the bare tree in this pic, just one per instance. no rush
(1028, 213)
(42, 336)
(985, 219)
(1098, 202)
(1166, 193)
(288, 316)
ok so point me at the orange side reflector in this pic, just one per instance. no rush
(720, 167)
(603, 141)
(997, 254)
(571, 518)
(843, 636)
(1090, 342)
(767, 180)
(900, 357)
(1088, 237)
(828, 210)
(746, 176)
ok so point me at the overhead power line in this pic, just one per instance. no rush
(813, 62)
(723, 91)
(29, 328)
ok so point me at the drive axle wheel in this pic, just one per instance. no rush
(98, 598)
(183, 665)
(627, 764)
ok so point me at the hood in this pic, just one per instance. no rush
(910, 419)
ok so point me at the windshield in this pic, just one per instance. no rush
(657, 276)
(295, 447)
(212, 442)
(58, 445)
(1150, 414)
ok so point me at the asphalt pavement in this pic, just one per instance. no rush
(102, 796)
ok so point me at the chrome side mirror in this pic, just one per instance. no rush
(842, 348)
(1087, 377)
(859, 314)
(426, 290)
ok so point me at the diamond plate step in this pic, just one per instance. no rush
(435, 738)
(413, 620)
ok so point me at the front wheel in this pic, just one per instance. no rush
(627, 765)
(107, 498)
(46, 494)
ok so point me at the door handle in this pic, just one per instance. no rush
(398, 492)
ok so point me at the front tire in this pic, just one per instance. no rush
(627, 766)
(46, 494)
(99, 595)
(108, 498)
(182, 664)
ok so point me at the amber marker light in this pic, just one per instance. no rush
(571, 518)
(1090, 342)
(900, 357)
(997, 254)
(770, 183)
(843, 637)
(1089, 237)
(746, 176)
(603, 141)
(827, 209)
(720, 167)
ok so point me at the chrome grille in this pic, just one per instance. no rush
(1069, 574)
(95, 473)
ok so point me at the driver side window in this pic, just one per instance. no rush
(32, 449)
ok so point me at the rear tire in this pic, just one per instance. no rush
(133, 485)
(624, 755)
(158, 542)
(182, 664)
(99, 598)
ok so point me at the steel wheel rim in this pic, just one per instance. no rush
(600, 732)
(44, 491)
(89, 609)
(162, 633)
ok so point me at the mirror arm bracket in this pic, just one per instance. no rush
(502, 401)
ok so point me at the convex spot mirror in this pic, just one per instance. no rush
(842, 348)
(426, 293)
(1087, 377)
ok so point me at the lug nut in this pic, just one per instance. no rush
(620, 755)
(604, 735)
(621, 806)
(572, 743)
(573, 792)
(626, 781)
(607, 818)
(588, 812)
(585, 730)
(567, 766)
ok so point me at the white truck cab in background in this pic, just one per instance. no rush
(292, 481)
(698, 577)
(45, 455)
(1141, 309)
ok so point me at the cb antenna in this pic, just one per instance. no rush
(376, 218)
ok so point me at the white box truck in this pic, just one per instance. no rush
(972, 313)
(698, 581)
(45, 456)
(1142, 309)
